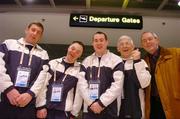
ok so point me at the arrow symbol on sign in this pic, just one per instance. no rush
(75, 18)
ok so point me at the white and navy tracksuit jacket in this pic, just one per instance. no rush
(69, 84)
(137, 77)
(111, 81)
(10, 55)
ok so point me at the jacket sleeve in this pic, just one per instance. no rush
(41, 97)
(78, 101)
(5, 80)
(83, 86)
(174, 69)
(36, 87)
(116, 87)
(142, 73)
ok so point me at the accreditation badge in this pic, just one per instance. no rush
(94, 89)
(56, 92)
(22, 76)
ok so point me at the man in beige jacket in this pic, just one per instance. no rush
(163, 95)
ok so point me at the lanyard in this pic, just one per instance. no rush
(55, 75)
(63, 77)
(99, 69)
(30, 58)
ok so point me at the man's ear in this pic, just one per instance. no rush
(158, 40)
(26, 30)
(117, 49)
(107, 42)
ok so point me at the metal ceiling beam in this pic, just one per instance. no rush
(18, 3)
(88, 4)
(125, 4)
(52, 3)
(81, 9)
(163, 3)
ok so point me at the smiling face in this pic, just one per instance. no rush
(100, 44)
(75, 50)
(149, 42)
(33, 34)
(125, 46)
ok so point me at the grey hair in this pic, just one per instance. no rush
(125, 37)
(153, 33)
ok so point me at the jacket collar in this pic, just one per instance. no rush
(164, 54)
(22, 41)
(94, 54)
(76, 64)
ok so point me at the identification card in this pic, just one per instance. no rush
(94, 89)
(23, 76)
(56, 93)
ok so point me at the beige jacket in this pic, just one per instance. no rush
(167, 75)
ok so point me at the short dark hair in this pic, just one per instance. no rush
(38, 24)
(100, 32)
(80, 43)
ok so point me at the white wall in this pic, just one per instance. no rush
(57, 30)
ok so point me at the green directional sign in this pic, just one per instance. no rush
(106, 21)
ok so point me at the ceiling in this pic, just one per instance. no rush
(166, 8)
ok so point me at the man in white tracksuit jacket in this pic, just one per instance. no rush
(136, 77)
(22, 73)
(100, 81)
(56, 98)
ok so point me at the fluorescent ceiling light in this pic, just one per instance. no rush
(179, 3)
(30, 0)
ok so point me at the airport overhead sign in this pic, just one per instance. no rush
(106, 21)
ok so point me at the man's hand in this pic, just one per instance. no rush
(23, 99)
(72, 116)
(96, 108)
(12, 96)
(41, 113)
(136, 54)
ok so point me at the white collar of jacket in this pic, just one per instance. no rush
(94, 54)
(22, 41)
(76, 64)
